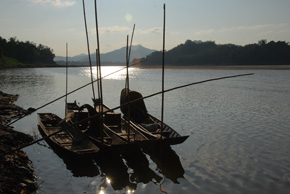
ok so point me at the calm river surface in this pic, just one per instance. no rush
(239, 131)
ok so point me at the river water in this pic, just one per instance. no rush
(239, 131)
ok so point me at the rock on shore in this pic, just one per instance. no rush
(16, 172)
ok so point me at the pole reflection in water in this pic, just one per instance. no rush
(124, 170)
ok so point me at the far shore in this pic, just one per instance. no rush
(204, 67)
(215, 67)
(201, 67)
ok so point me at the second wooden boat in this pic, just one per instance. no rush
(64, 137)
(148, 125)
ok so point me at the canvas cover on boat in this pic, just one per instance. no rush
(138, 110)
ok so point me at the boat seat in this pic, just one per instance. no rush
(50, 123)
(115, 128)
(106, 139)
(152, 127)
(164, 133)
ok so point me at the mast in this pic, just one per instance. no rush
(128, 54)
(66, 79)
(89, 53)
(127, 86)
(98, 60)
(127, 89)
(98, 55)
(163, 56)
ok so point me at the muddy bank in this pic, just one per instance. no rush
(16, 172)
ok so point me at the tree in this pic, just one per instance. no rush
(209, 53)
(26, 52)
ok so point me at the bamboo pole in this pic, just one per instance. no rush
(66, 79)
(128, 88)
(89, 53)
(131, 44)
(151, 95)
(100, 87)
(129, 54)
(182, 86)
(163, 57)
(98, 53)
(79, 88)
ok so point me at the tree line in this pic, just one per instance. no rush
(209, 53)
(26, 52)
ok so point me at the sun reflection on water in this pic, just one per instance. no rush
(102, 192)
(107, 181)
(108, 72)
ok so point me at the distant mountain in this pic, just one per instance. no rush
(74, 58)
(116, 56)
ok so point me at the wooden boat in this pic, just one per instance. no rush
(116, 132)
(146, 123)
(65, 137)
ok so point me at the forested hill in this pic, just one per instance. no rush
(18, 53)
(208, 53)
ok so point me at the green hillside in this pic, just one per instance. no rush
(14, 53)
(209, 53)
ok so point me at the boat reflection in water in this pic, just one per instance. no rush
(123, 171)
(139, 164)
(167, 162)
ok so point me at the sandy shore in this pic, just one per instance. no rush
(16, 172)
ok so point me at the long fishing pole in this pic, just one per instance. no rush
(182, 86)
(163, 57)
(89, 53)
(125, 104)
(32, 110)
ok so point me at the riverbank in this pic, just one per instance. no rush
(6, 62)
(16, 172)
(217, 67)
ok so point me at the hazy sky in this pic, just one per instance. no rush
(55, 22)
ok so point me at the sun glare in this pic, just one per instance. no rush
(128, 17)
(108, 72)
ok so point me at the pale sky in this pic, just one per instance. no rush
(56, 22)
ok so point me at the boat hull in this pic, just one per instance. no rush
(61, 138)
